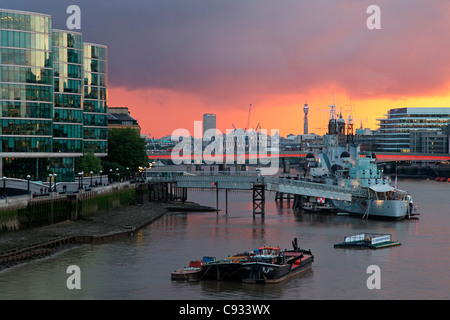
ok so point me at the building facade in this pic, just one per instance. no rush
(95, 99)
(42, 98)
(394, 133)
(68, 102)
(423, 141)
(209, 122)
(119, 118)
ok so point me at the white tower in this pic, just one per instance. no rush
(305, 119)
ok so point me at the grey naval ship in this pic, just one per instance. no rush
(343, 164)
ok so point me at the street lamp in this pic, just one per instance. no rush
(54, 181)
(101, 177)
(118, 175)
(50, 182)
(79, 180)
(28, 183)
(91, 185)
(4, 187)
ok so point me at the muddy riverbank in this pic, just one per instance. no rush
(21, 246)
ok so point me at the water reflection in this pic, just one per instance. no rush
(139, 267)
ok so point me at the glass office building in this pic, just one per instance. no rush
(68, 97)
(395, 130)
(26, 86)
(95, 99)
(42, 83)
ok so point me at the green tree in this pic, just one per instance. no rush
(88, 162)
(126, 149)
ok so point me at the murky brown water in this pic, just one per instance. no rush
(139, 267)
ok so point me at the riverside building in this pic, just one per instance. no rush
(402, 127)
(52, 96)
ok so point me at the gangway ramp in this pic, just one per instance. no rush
(312, 189)
(272, 183)
(221, 181)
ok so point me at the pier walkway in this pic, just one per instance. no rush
(259, 184)
(272, 183)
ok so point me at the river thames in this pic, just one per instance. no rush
(140, 267)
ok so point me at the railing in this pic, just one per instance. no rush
(243, 182)
(273, 183)
(317, 186)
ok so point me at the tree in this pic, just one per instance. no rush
(88, 162)
(126, 149)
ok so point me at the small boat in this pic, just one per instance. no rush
(191, 273)
(271, 265)
(187, 274)
(368, 240)
(317, 204)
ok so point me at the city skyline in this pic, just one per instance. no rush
(177, 60)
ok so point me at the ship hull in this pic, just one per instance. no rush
(266, 273)
(384, 209)
(222, 271)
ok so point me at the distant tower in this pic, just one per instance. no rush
(209, 122)
(305, 119)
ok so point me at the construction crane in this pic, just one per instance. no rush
(152, 139)
(248, 119)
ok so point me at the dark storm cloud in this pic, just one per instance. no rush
(232, 47)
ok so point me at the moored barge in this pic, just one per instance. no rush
(229, 268)
(368, 240)
(191, 273)
(271, 265)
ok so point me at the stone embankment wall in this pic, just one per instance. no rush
(18, 213)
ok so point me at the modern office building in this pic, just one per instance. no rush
(42, 95)
(209, 122)
(68, 98)
(423, 141)
(394, 132)
(95, 99)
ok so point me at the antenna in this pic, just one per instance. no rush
(333, 110)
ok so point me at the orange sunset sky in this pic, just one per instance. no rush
(172, 61)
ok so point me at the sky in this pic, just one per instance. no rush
(171, 61)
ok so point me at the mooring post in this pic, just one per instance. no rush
(217, 200)
(258, 199)
(226, 201)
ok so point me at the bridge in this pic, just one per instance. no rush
(272, 183)
(254, 182)
(381, 156)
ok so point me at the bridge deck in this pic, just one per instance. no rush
(272, 184)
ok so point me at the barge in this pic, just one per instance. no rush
(229, 268)
(271, 265)
(191, 273)
(368, 240)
